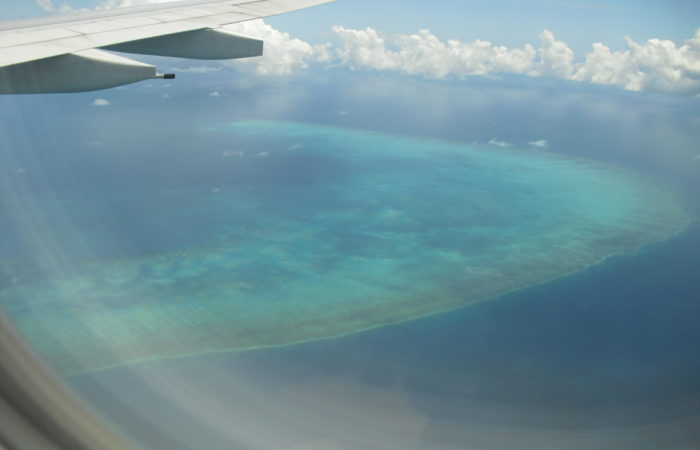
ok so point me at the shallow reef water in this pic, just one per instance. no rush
(319, 232)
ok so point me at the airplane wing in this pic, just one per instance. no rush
(66, 53)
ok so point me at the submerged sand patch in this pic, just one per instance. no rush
(334, 231)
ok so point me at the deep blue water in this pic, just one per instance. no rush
(606, 358)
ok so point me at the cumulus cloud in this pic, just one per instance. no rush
(215, 94)
(654, 65)
(424, 54)
(555, 58)
(101, 102)
(540, 143)
(283, 54)
(497, 143)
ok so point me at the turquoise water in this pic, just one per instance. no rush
(316, 232)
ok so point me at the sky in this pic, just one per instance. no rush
(506, 22)
(636, 45)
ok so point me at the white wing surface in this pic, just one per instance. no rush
(66, 53)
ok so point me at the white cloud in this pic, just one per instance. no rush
(282, 55)
(654, 65)
(556, 58)
(424, 54)
(101, 102)
(214, 94)
(540, 143)
(497, 143)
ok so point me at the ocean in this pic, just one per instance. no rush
(605, 356)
